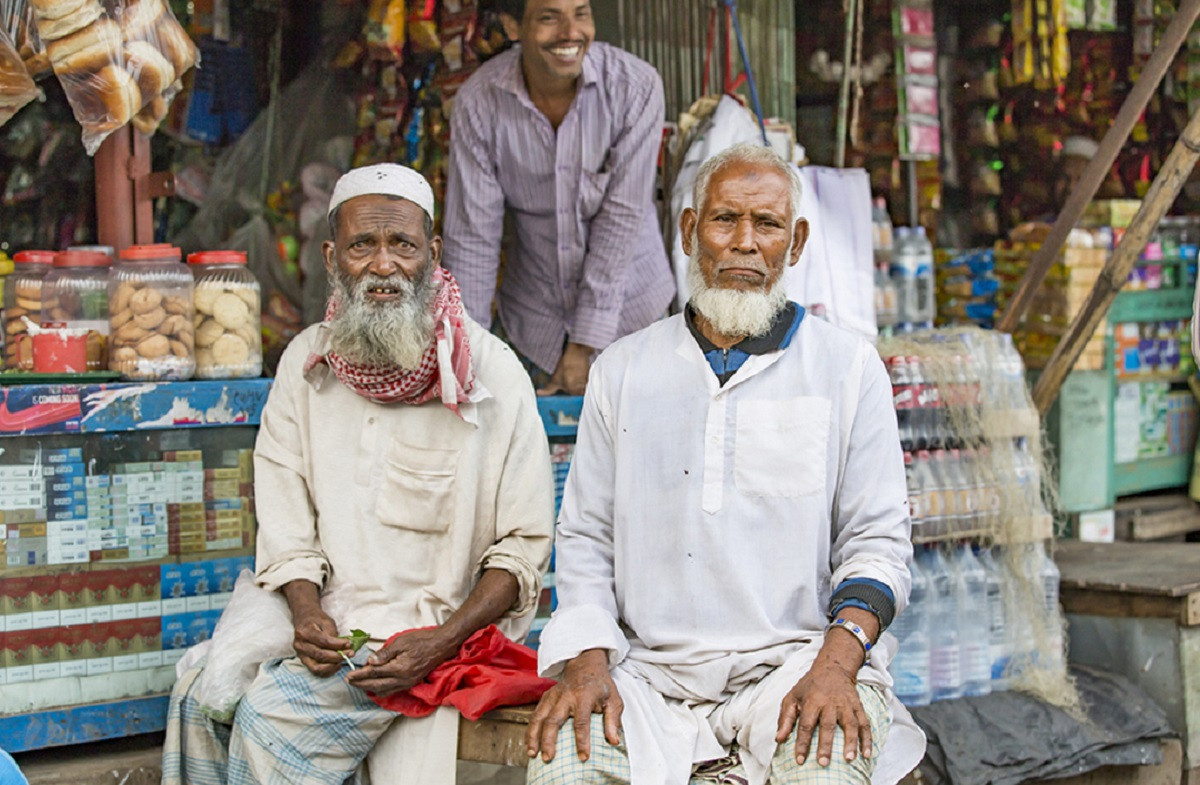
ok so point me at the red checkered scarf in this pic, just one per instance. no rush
(445, 370)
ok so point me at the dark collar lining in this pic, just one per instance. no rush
(763, 344)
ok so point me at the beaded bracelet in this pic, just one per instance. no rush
(857, 632)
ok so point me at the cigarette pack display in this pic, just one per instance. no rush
(73, 650)
(17, 655)
(175, 631)
(26, 472)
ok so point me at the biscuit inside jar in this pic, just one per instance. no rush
(145, 300)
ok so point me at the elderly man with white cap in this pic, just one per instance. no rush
(402, 466)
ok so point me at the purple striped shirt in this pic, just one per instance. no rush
(588, 261)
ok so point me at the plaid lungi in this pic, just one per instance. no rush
(291, 728)
(609, 765)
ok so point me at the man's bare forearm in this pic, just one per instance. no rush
(491, 598)
(302, 596)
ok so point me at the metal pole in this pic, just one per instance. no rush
(844, 93)
(737, 29)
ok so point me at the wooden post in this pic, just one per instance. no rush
(1098, 168)
(1167, 183)
(126, 190)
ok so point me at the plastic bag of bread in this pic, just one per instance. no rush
(16, 87)
(16, 17)
(118, 61)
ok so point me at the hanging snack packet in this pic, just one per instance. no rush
(16, 86)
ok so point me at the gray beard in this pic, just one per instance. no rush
(383, 334)
(731, 312)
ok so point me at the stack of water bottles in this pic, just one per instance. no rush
(968, 630)
(981, 617)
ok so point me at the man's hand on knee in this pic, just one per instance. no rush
(586, 688)
(825, 698)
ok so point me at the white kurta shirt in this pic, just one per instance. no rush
(704, 527)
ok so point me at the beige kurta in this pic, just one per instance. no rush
(400, 508)
(406, 504)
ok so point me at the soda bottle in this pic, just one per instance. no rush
(902, 398)
(918, 415)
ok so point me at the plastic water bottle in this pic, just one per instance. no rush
(999, 643)
(1050, 578)
(973, 622)
(945, 671)
(903, 270)
(921, 252)
(910, 667)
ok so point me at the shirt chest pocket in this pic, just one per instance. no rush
(781, 447)
(417, 489)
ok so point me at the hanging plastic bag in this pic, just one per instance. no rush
(16, 18)
(16, 87)
(117, 62)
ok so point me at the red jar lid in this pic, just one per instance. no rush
(217, 257)
(34, 257)
(82, 259)
(162, 252)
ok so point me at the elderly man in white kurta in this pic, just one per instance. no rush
(734, 534)
(400, 463)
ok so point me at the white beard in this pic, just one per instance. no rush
(732, 312)
(384, 334)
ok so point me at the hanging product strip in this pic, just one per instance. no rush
(916, 80)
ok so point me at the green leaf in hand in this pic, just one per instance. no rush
(355, 640)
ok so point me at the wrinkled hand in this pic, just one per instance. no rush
(316, 642)
(586, 688)
(570, 377)
(403, 663)
(825, 698)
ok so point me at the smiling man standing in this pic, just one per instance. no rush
(734, 534)
(562, 133)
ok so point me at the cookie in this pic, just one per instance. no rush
(154, 346)
(30, 290)
(145, 301)
(130, 334)
(208, 333)
(29, 304)
(230, 350)
(125, 354)
(120, 319)
(147, 320)
(176, 305)
(204, 358)
(249, 295)
(205, 297)
(121, 297)
(180, 349)
(230, 311)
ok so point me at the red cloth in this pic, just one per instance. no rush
(489, 671)
(392, 385)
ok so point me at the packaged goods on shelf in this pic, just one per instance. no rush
(966, 287)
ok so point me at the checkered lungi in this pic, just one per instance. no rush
(291, 728)
(609, 765)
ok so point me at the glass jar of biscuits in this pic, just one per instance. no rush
(76, 296)
(228, 316)
(150, 315)
(23, 300)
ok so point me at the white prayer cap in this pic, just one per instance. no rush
(1080, 147)
(384, 180)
